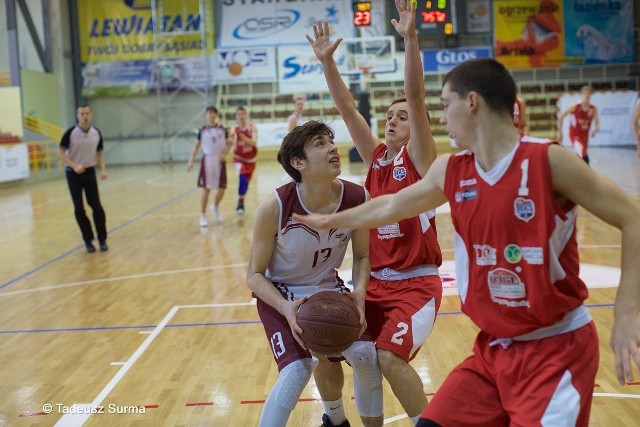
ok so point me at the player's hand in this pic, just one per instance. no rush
(314, 220)
(322, 46)
(189, 166)
(103, 174)
(290, 310)
(407, 13)
(358, 299)
(79, 169)
(625, 342)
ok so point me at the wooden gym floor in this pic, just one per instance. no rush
(164, 321)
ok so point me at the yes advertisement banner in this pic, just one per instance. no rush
(118, 49)
(270, 23)
(299, 71)
(442, 60)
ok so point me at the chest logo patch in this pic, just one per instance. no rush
(524, 209)
(399, 173)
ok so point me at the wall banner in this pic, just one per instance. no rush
(599, 32)
(529, 33)
(439, 60)
(244, 23)
(119, 52)
(478, 16)
(615, 110)
(299, 71)
(244, 65)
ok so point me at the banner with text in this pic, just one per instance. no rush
(299, 71)
(599, 32)
(442, 60)
(244, 23)
(244, 65)
(529, 33)
(118, 49)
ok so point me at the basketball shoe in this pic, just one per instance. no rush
(216, 213)
(326, 422)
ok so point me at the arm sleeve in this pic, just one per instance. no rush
(66, 139)
(100, 145)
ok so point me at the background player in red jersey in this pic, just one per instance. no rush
(405, 289)
(244, 137)
(536, 356)
(520, 116)
(290, 261)
(583, 114)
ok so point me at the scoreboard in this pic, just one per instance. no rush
(436, 17)
(361, 13)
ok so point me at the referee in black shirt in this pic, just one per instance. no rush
(80, 149)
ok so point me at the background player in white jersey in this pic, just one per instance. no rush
(244, 137)
(290, 261)
(405, 290)
(296, 119)
(513, 205)
(212, 138)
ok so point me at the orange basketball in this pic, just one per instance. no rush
(235, 68)
(330, 322)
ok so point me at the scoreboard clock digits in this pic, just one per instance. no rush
(362, 13)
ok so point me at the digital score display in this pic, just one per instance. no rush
(362, 13)
(436, 17)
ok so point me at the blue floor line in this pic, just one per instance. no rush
(113, 230)
(187, 325)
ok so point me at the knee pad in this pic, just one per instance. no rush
(362, 356)
(292, 380)
(243, 186)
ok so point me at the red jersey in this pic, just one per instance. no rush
(412, 242)
(581, 122)
(242, 152)
(515, 248)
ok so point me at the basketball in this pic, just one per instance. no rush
(235, 68)
(330, 322)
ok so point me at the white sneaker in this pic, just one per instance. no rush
(216, 214)
(203, 220)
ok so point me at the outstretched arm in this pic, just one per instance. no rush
(422, 146)
(573, 179)
(422, 196)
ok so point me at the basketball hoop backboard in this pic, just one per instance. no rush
(370, 55)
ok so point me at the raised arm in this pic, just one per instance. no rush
(424, 195)
(265, 230)
(358, 127)
(422, 146)
(573, 179)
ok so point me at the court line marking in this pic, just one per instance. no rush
(113, 230)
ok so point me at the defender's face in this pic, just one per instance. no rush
(396, 129)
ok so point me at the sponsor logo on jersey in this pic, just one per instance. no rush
(506, 288)
(399, 173)
(524, 209)
(532, 255)
(468, 182)
(390, 231)
(485, 255)
(513, 254)
(463, 196)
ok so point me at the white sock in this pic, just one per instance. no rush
(335, 411)
(415, 419)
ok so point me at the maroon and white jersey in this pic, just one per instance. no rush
(242, 152)
(213, 140)
(411, 242)
(305, 260)
(581, 122)
(515, 247)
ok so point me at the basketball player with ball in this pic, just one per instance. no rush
(404, 290)
(290, 262)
